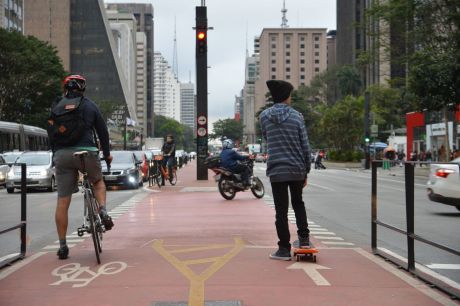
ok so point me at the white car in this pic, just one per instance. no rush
(444, 183)
(4, 169)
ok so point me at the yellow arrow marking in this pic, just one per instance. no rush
(196, 293)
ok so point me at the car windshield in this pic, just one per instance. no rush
(139, 155)
(34, 159)
(122, 157)
(11, 158)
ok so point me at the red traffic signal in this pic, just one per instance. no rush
(201, 35)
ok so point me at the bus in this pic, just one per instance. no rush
(21, 137)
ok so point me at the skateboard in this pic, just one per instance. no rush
(304, 254)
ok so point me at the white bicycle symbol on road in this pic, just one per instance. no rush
(75, 273)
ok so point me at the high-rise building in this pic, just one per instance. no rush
(143, 13)
(11, 15)
(239, 106)
(80, 30)
(295, 55)
(141, 79)
(166, 89)
(249, 111)
(188, 105)
(331, 49)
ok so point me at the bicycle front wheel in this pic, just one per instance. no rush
(93, 225)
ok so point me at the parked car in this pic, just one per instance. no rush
(4, 169)
(444, 183)
(144, 166)
(260, 158)
(40, 171)
(124, 170)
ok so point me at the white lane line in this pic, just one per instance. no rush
(4, 273)
(321, 229)
(313, 225)
(52, 247)
(444, 266)
(424, 269)
(321, 187)
(336, 243)
(328, 238)
(322, 233)
(9, 256)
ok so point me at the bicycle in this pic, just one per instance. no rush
(156, 172)
(165, 172)
(92, 222)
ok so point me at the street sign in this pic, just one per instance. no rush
(202, 120)
(201, 132)
(374, 130)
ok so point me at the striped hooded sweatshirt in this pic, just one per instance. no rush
(288, 146)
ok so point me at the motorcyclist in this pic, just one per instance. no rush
(230, 160)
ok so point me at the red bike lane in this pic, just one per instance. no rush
(187, 244)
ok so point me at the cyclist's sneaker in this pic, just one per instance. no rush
(63, 252)
(281, 254)
(106, 220)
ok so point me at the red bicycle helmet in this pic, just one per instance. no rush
(75, 82)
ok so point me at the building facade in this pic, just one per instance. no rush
(331, 49)
(249, 109)
(188, 105)
(166, 88)
(11, 15)
(239, 100)
(141, 79)
(144, 20)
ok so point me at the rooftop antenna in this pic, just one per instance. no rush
(284, 19)
(175, 58)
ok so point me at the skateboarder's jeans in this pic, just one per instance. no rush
(281, 198)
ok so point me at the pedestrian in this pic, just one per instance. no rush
(422, 157)
(401, 156)
(72, 126)
(428, 156)
(288, 165)
(413, 157)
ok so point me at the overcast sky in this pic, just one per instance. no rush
(231, 20)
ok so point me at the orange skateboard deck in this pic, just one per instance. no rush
(304, 254)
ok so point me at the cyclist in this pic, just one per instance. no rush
(169, 155)
(230, 160)
(67, 166)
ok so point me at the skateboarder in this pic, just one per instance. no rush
(288, 164)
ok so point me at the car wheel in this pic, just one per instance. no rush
(458, 208)
(10, 190)
(52, 187)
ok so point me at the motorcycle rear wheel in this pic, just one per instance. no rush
(258, 189)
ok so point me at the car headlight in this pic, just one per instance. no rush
(2, 176)
(44, 172)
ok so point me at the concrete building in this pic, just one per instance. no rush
(81, 32)
(11, 15)
(292, 54)
(249, 108)
(166, 88)
(143, 13)
(141, 79)
(331, 49)
(188, 105)
(239, 100)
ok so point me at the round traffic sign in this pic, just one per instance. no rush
(201, 132)
(202, 120)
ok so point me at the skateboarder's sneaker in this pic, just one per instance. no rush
(281, 254)
(63, 252)
(304, 242)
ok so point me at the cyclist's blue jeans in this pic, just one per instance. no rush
(169, 162)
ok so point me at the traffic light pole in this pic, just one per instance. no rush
(201, 91)
(367, 156)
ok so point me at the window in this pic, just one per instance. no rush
(288, 53)
(273, 61)
(302, 38)
(273, 38)
(302, 69)
(316, 46)
(288, 61)
(302, 53)
(316, 61)
(302, 77)
(316, 38)
(273, 53)
(288, 69)
(273, 69)
(316, 69)
(288, 46)
(288, 77)
(316, 53)
(302, 46)
(273, 77)
(274, 46)
(302, 61)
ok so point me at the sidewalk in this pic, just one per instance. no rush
(186, 244)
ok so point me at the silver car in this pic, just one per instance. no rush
(40, 172)
(3, 171)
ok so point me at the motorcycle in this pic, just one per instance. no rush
(230, 183)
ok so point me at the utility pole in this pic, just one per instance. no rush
(201, 55)
(367, 102)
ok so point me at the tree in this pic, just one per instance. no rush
(183, 135)
(349, 81)
(30, 78)
(229, 128)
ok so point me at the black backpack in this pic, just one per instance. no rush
(66, 125)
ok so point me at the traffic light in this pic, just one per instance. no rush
(201, 41)
(367, 140)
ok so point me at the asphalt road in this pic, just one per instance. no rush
(41, 228)
(340, 201)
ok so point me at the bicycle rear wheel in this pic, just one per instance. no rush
(173, 180)
(92, 216)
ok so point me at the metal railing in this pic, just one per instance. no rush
(409, 232)
(23, 225)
